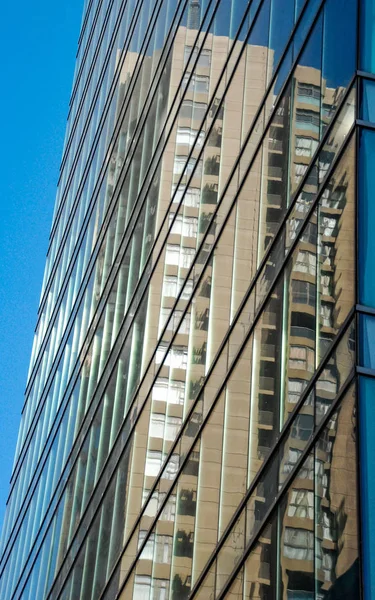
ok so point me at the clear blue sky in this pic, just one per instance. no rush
(38, 43)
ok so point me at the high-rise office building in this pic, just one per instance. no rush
(200, 406)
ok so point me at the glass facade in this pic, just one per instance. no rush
(200, 399)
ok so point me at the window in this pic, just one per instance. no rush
(302, 427)
(299, 171)
(184, 326)
(326, 384)
(176, 392)
(164, 316)
(326, 254)
(186, 257)
(187, 135)
(193, 110)
(170, 286)
(198, 83)
(160, 589)
(328, 226)
(303, 292)
(302, 358)
(153, 462)
(308, 89)
(157, 425)
(301, 504)
(298, 544)
(309, 234)
(172, 427)
(191, 198)
(164, 427)
(160, 389)
(308, 93)
(325, 285)
(172, 254)
(148, 550)
(172, 467)
(182, 257)
(295, 389)
(169, 510)
(291, 460)
(177, 357)
(142, 587)
(204, 59)
(326, 315)
(305, 146)
(328, 533)
(183, 225)
(163, 552)
(155, 503)
(182, 165)
(305, 262)
(307, 119)
(187, 290)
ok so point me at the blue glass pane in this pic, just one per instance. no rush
(367, 341)
(368, 100)
(367, 50)
(367, 456)
(366, 241)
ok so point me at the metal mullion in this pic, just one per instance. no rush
(358, 479)
(283, 433)
(65, 235)
(74, 92)
(236, 515)
(196, 61)
(59, 253)
(366, 124)
(365, 310)
(241, 306)
(88, 214)
(77, 247)
(84, 24)
(94, 265)
(286, 486)
(366, 75)
(205, 236)
(360, 309)
(176, 94)
(101, 123)
(366, 372)
(231, 368)
(73, 126)
(114, 81)
(83, 59)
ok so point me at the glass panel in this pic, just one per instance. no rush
(336, 231)
(367, 453)
(366, 216)
(368, 100)
(367, 48)
(336, 512)
(367, 341)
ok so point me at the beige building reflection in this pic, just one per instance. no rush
(315, 540)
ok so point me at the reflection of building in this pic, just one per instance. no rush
(190, 406)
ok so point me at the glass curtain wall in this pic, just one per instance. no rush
(190, 420)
